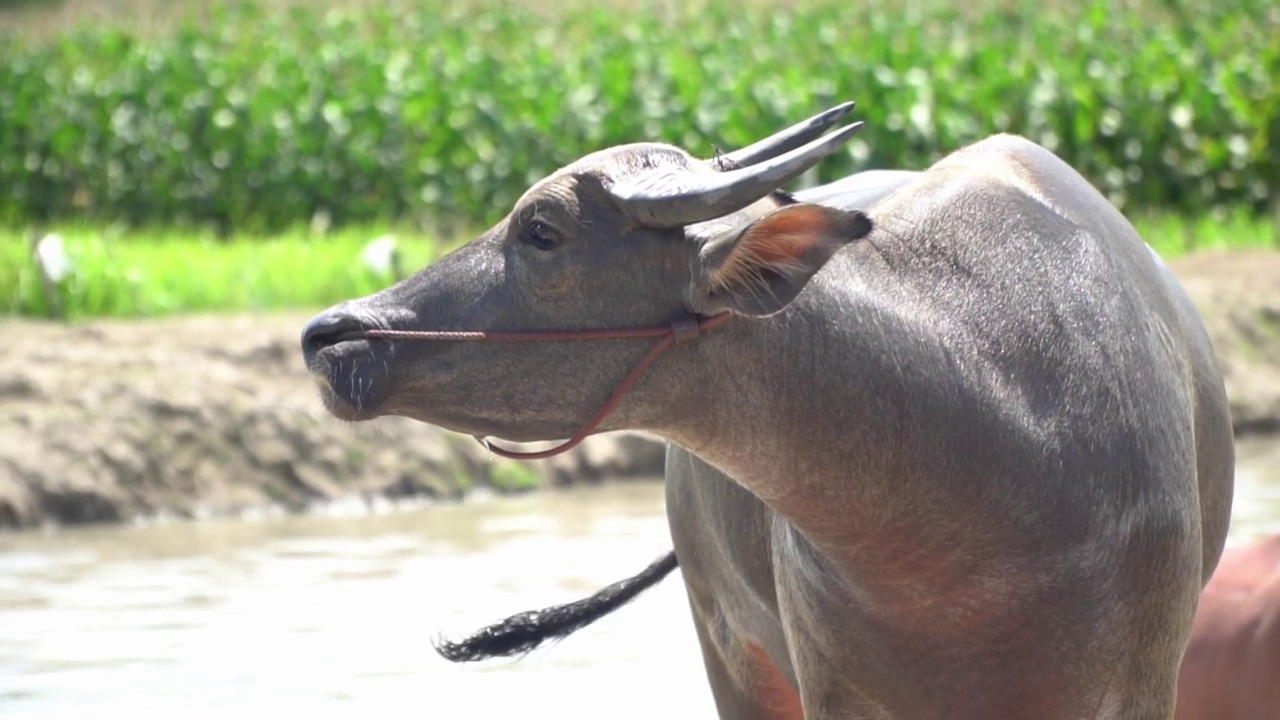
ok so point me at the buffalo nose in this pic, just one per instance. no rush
(329, 328)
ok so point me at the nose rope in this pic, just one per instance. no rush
(686, 328)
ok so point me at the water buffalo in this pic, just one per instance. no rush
(1231, 670)
(947, 444)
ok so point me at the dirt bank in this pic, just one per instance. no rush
(1239, 298)
(109, 421)
(204, 415)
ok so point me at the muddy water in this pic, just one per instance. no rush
(331, 616)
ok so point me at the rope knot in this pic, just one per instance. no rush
(686, 329)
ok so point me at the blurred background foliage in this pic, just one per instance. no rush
(249, 117)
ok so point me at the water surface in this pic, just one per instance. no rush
(331, 616)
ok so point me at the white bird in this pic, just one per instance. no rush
(380, 255)
(51, 254)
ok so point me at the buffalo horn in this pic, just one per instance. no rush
(783, 140)
(674, 197)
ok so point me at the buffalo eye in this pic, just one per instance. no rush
(539, 235)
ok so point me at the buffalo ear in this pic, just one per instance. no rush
(761, 269)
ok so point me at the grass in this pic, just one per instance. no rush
(513, 477)
(1173, 235)
(138, 274)
(166, 272)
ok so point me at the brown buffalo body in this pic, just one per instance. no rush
(1231, 670)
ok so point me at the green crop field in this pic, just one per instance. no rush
(254, 118)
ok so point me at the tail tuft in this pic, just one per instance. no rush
(523, 632)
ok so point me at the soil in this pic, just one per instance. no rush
(198, 416)
(1238, 295)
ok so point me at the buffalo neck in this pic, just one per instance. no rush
(806, 412)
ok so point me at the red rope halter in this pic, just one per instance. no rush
(680, 330)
